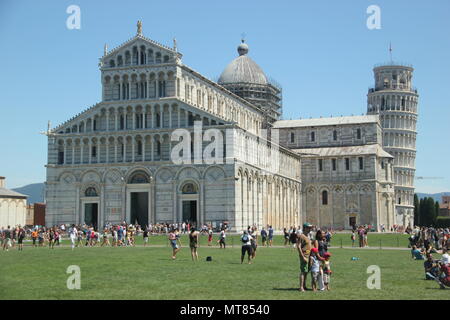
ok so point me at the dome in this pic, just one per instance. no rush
(243, 70)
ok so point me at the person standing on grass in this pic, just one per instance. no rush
(6, 238)
(193, 243)
(286, 236)
(34, 236)
(314, 266)
(222, 238)
(20, 236)
(304, 249)
(145, 236)
(210, 236)
(353, 238)
(246, 240)
(270, 235)
(293, 238)
(175, 243)
(254, 242)
(264, 237)
(73, 234)
(51, 238)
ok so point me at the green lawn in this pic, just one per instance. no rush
(149, 273)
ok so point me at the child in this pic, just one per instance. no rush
(326, 270)
(314, 266)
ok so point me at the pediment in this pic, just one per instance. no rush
(155, 51)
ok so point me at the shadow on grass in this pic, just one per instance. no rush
(286, 289)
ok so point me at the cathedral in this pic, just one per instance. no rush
(166, 144)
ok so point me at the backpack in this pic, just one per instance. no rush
(244, 239)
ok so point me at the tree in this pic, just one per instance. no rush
(416, 210)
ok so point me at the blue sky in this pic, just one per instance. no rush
(321, 52)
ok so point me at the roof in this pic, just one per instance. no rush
(332, 121)
(345, 151)
(6, 193)
(243, 70)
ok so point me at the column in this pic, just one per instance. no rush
(81, 151)
(107, 150)
(90, 151)
(65, 153)
(115, 150)
(124, 149)
(170, 116)
(133, 144)
(152, 140)
(143, 148)
(179, 117)
(107, 120)
(73, 152)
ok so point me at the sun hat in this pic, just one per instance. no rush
(307, 225)
(327, 255)
(315, 250)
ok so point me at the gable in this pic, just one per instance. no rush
(129, 53)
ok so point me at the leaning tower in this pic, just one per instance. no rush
(395, 100)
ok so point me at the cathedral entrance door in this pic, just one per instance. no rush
(190, 211)
(91, 214)
(352, 221)
(139, 208)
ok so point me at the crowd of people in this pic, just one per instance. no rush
(310, 242)
(426, 241)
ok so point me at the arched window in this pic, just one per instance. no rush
(313, 136)
(189, 188)
(324, 197)
(334, 135)
(91, 192)
(292, 137)
(139, 177)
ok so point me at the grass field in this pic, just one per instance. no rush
(149, 273)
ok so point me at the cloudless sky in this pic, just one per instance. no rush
(321, 52)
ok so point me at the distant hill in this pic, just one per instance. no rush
(35, 192)
(435, 196)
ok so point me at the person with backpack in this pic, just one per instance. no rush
(246, 240)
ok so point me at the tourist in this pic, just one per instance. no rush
(175, 243)
(353, 237)
(304, 248)
(293, 238)
(264, 237)
(73, 234)
(326, 270)
(51, 239)
(254, 241)
(270, 235)
(431, 268)
(416, 254)
(222, 239)
(34, 236)
(105, 238)
(6, 238)
(285, 236)
(210, 237)
(20, 236)
(246, 247)
(145, 236)
(41, 236)
(193, 243)
(314, 265)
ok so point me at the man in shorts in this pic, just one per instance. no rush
(304, 250)
(270, 236)
(7, 238)
(246, 240)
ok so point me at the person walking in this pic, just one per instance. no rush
(246, 240)
(264, 237)
(175, 243)
(193, 243)
(304, 250)
(222, 238)
(145, 236)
